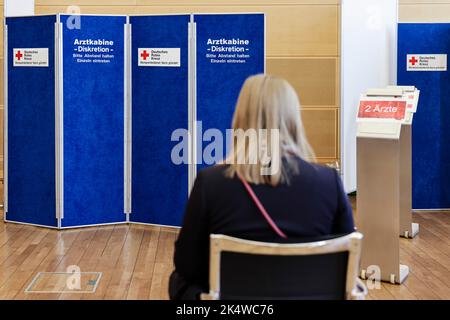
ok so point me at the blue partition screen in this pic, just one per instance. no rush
(31, 124)
(230, 48)
(159, 106)
(67, 123)
(431, 133)
(93, 130)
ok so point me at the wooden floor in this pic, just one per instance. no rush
(136, 261)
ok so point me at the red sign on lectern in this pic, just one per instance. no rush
(376, 109)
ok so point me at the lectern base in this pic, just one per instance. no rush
(414, 231)
(404, 271)
(403, 274)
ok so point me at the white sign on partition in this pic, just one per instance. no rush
(159, 57)
(30, 57)
(426, 62)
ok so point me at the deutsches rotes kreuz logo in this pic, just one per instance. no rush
(426, 62)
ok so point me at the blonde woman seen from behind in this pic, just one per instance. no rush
(268, 189)
(269, 103)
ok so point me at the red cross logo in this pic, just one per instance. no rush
(413, 61)
(19, 55)
(145, 55)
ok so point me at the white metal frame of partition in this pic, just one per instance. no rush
(127, 119)
(5, 120)
(59, 122)
(192, 70)
(351, 243)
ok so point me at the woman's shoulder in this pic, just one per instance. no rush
(316, 167)
(213, 173)
(219, 172)
(214, 180)
(317, 172)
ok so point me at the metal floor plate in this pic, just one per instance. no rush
(64, 282)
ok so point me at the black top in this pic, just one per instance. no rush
(313, 205)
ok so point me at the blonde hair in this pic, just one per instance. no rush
(267, 102)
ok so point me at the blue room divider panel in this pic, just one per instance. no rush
(431, 133)
(70, 151)
(30, 123)
(230, 48)
(93, 125)
(159, 106)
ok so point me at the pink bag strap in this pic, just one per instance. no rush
(261, 208)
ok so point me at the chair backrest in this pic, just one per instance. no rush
(242, 269)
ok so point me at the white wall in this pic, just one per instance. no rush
(369, 60)
(15, 8)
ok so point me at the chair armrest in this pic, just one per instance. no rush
(360, 291)
(209, 296)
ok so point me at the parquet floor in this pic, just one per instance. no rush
(136, 260)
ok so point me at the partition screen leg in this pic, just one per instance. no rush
(408, 229)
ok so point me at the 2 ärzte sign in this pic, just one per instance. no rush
(376, 109)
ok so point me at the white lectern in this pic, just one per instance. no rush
(384, 179)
